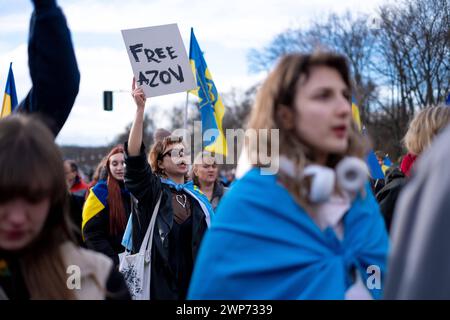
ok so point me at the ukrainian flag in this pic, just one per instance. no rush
(10, 97)
(95, 202)
(211, 107)
(372, 162)
(355, 114)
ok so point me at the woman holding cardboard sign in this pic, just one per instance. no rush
(183, 214)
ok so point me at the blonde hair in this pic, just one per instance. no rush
(279, 89)
(198, 160)
(424, 127)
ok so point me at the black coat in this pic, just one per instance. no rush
(387, 197)
(146, 187)
(97, 235)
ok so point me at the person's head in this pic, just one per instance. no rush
(115, 166)
(230, 175)
(204, 170)
(380, 157)
(308, 98)
(167, 156)
(101, 172)
(424, 127)
(115, 163)
(33, 204)
(71, 171)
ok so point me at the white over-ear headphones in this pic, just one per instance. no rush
(350, 174)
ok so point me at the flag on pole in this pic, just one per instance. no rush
(372, 162)
(211, 107)
(355, 114)
(10, 97)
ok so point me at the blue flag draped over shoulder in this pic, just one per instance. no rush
(211, 107)
(10, 97)
(268, 247)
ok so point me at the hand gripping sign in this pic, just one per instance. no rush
(159, 60)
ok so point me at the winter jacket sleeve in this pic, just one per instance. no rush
(145, 186)
(53, 66)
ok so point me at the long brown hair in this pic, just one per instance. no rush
(279, 89)
(31, 167)
(117, 215)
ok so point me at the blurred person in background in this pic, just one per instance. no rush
(419, 264)
(37, 247)
(75, 182)
(421, 131)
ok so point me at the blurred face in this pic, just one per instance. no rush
(174, 161)
(380, 161)
(117, 166)
(70, 174)
(323, 111)
(206, 171)
(21, 222)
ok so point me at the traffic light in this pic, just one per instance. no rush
(107, 100)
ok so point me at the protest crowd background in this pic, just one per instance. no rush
(356, 209)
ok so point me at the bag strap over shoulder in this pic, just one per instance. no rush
(148, 239)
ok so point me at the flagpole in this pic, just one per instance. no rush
(185, 116)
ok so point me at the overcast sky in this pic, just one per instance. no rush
(225, 30)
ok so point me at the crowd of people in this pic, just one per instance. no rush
(319, 228)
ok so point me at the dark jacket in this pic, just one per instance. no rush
(218, 192)
(97, 235)
(146, 188)
(76, 210)
(53, 67)
(387, 197)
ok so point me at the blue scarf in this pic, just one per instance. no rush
(187, 187)
(270, 248)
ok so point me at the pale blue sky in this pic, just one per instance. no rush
(225, 30)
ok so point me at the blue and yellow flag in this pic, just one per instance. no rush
(355, 114)
(372, 162)
(10, 97)
(95, 202)
(211, 107)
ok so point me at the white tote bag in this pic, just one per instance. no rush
(136, 268)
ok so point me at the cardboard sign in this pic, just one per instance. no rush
(159, 60)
